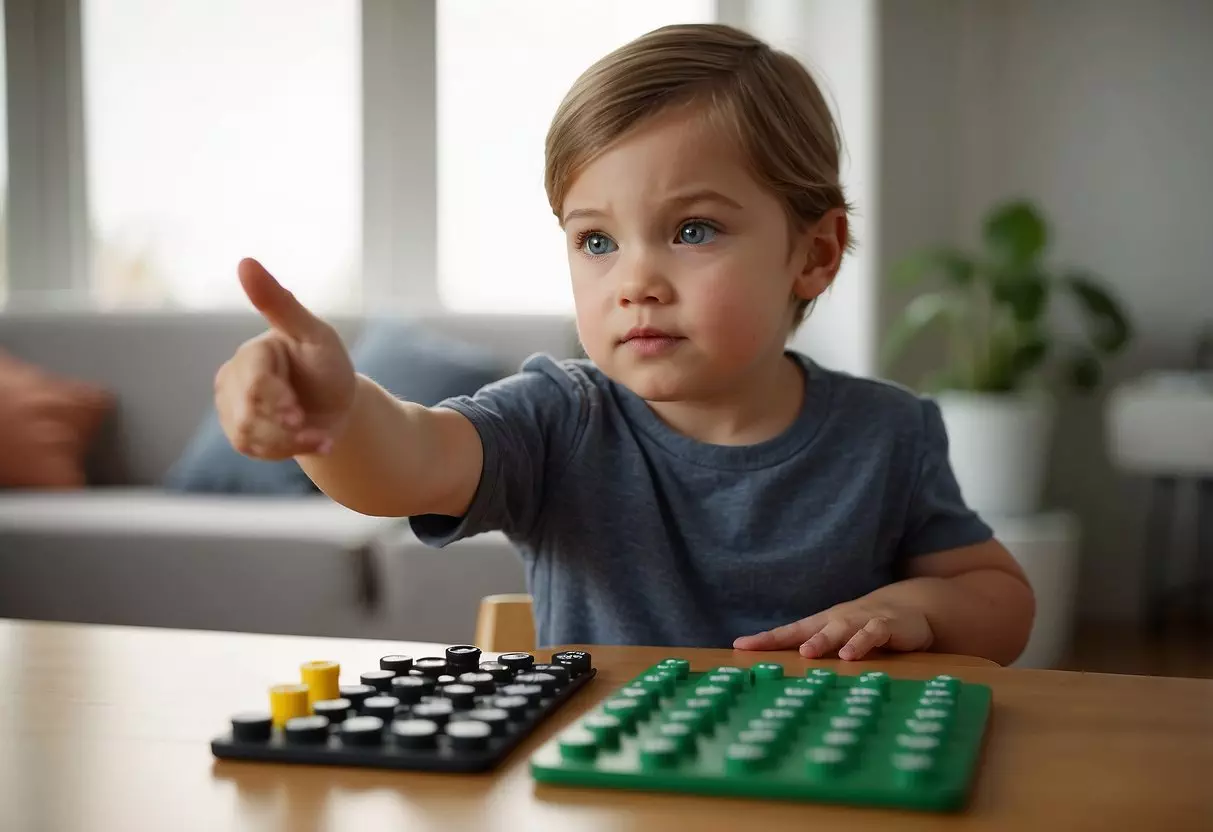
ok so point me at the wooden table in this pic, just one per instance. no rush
(108, 728)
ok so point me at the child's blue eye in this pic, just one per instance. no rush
(696, 233)
(597, 245)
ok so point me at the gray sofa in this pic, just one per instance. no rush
(129, 552)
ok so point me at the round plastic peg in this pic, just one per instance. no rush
(681, 667)
(925, 726)
(681, 733)
(741, 758)
(938, 714)
(658, 752)
(306, 729)
(415, 733)
(578, 745)
(842, 739)
(432, 666)
(518, 662)
(362, 730)
(913, 768)
(764, 737)
(558, 670)
(917, 742)
(321, 679)
(251, 727)
(410, 689)
(468, 734)
(698, 720)
(497, 719)
(605, 728)
(723, 681)
(357, 694)
(398, 664)
(768, 670)
(943, 682)
(335, 709)
(464, 657)
(575, 661)
(515, 706)
(382, 706)
(826, 760)
(825, 677)
(627, 711)
(741, 677)
(662, 683)
(380, 680)
(287, 702)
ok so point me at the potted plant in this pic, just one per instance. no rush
(1004, 357)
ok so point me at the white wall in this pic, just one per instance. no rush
(837, 42)
(1103, 112)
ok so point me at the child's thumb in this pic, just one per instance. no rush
(276, 304)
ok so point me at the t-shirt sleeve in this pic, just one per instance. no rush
(529, 425)
(938, 518)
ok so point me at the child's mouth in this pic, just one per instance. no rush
(649, 342)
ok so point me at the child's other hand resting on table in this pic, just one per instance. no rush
(972, 600)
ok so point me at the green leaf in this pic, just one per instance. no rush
(952, 264)
(1015, 233)
(941, 380)
(995, 371)
(1028, 355)
(920, 314)
(1109, 327)
(1025, 292)
(1085, 371)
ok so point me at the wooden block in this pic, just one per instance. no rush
(505, 624)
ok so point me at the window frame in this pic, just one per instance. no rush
(48, 236)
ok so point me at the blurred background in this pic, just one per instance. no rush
(1031, 180)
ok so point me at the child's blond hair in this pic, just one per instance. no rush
(764, 98)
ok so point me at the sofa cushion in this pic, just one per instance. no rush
(418, 364)
(210, 465)
(409, 360)
(47, 423)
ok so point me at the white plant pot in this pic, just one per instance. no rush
(1046, 546)
(998, 446)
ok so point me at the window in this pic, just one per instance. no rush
(218, 129)
(3, 164)
(499, 247)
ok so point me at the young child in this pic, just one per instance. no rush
(693, 482)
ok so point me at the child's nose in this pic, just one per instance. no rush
(644, 281)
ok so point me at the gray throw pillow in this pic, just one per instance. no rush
(411, 362)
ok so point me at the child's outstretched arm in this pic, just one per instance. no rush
(292, 392)
(974, 600)
(399, 459)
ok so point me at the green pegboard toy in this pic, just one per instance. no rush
(868, 740)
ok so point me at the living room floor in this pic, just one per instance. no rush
(1118, 648)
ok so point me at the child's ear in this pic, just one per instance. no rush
(819, 250)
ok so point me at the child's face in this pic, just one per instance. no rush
(670, 237)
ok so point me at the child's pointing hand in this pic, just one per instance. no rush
(289, 390)
(852, 630)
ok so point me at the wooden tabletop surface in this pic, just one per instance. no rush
(108, 728)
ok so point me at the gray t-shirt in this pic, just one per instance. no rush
(632, 533)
